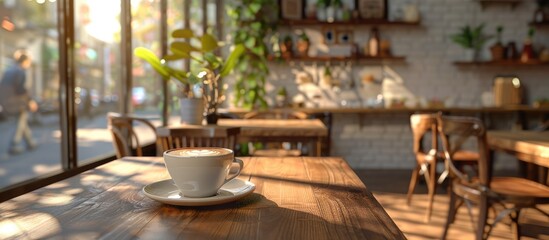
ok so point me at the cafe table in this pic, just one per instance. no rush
(311, 131)
(528, 146)
(293, 198)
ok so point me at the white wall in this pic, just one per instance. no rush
(384, 140)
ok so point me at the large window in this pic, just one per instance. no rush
(30, 142)
(147, 85)
(81, 67)
(97, 74)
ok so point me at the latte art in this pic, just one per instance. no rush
(199, 152)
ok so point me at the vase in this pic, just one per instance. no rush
(321, 14)
(497, 50)
(191, 111)
(211, 118)
(471, 55)
(303, 47)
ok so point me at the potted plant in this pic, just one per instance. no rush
(321, 8)
(281, 97)
(497, 49)
(472, 39)
(303, 44)
(251, 25)
(286, 47)
(210, 68)
(542, 11)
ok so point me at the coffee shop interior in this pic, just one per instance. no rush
(395, 119)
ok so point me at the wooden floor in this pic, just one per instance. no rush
(390, 186)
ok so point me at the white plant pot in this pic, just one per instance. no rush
(330, 14)
(470, 55)
(192, 110)
(321, 14)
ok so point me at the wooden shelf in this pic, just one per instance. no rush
(501, 63)
(539, 24)
(513, 3)
(507, 109)
(364, 59)
(311, 22)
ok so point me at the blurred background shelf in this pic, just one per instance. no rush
(501, 63)
(357, 22)
(361, 59)
(539, 24)
(485, 3)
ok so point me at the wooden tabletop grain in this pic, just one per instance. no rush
(277, 127)
(295, 198)
(529, 146)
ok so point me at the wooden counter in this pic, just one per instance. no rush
(511, 109)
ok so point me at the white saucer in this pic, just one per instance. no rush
(165, 191)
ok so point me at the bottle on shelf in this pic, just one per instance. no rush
(527, 53)
(373, 43)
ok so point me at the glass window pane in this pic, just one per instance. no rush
(30, 143)
(147, 84)
(176, 20)
(98, 71)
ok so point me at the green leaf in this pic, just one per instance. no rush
(209, 43)
(153, 60)
(172, 57)
(250, 43)
(183, 49)
(183, 33)
(255, 7)
(256, 26)
(212, 60)
(232, 60)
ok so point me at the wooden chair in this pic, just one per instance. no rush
(277, 149)
(196, 136)
(477, 187)
(427, 157)
(125, 140)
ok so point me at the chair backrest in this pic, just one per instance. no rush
(454, 131)
(422, 124)
(276, 115)
(124, 137)
(196, 136)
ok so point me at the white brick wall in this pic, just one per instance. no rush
(384, 140)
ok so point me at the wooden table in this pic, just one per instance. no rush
(295, 198)
(280, 130)
(528, 146)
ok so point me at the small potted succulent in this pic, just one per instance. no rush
(497, 50)
(286, 47)
(303, 44)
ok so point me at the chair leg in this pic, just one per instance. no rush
(482, 217)
(412, 186)
(515, 227)
(432, 187)
(458, 203)
(451, 214)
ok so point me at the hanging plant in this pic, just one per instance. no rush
(251, 25)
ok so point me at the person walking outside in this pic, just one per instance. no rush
(17, 102)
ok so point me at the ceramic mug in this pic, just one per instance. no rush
(200, 172)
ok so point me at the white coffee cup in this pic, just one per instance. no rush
(200, 172)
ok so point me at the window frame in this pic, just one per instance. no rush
(67, 69)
